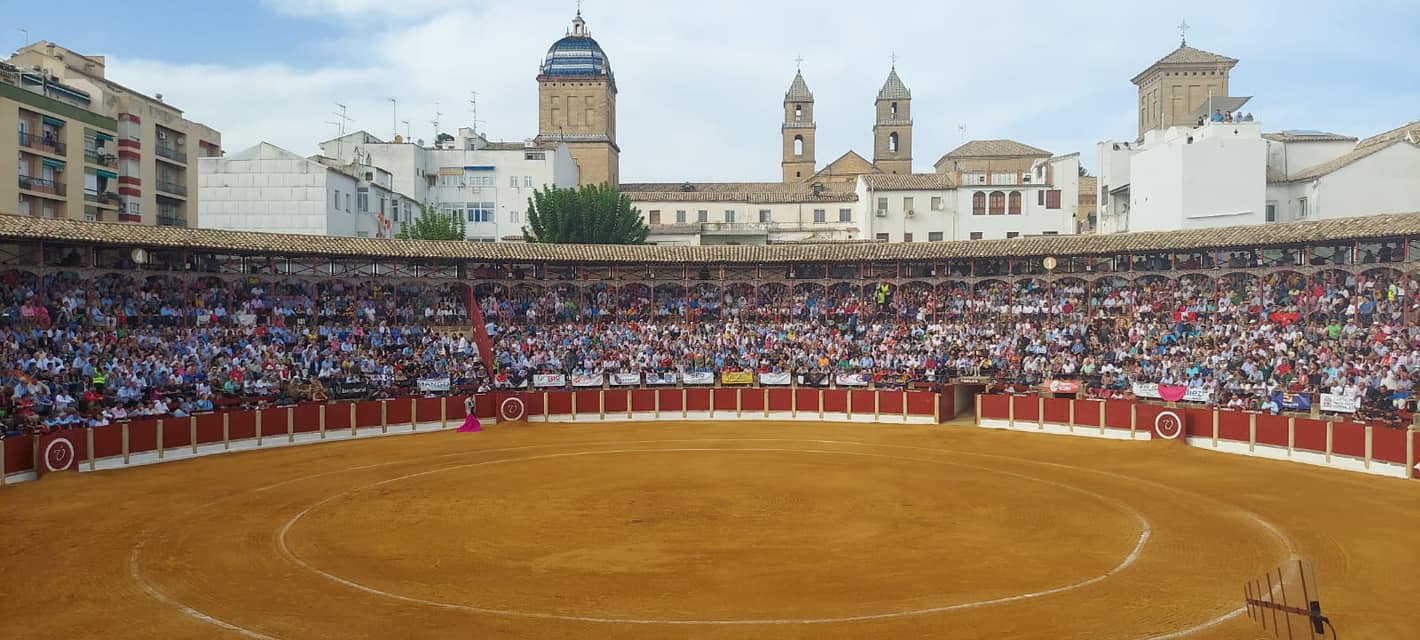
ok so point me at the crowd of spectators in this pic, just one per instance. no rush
(76, 353)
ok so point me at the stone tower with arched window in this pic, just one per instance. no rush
(577, 104)
(798, 131)
(892, 132)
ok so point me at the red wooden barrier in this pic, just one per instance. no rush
(1236, 427)
(752, 400)
(1057, 410)
(305, 418)
(948, 401)
(697, 399)
(273, 422)
(62, 451)
(862, 402)
(1147, 415)
(487, 404)
(559, 403)
(807, 400)
(588, 401)
(671, 400)
(890, 403)
(1310, 434)
(724, 399)
(1271, 430)
(781, 399)
(532, 403)
(337, 417)
(1348, 439)
(1087, 412)
(108, 442)
(834, 401)
(1027, 408)
(209, 428)
(643, 400)
(367, 414)
(617, 401)
(921, 403)
(1199, 420)
(399, 411)
(177, 433)
(1116, 415)
(995, 407)
(427, 410)
(142, 436)
(1388, 444)
(19, 453)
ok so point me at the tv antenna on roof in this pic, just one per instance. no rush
(437, 114)
(343, 118)
(473, 107)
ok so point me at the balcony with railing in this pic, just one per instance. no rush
(41, 185)
(48, 143)
(101, 157)
(106, 199)
(171, 219)
(171, 188)
(171, 153)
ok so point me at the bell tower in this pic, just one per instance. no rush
(577, 104)
(892, 133)
(798, 131)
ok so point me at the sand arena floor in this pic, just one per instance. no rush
(717, 530)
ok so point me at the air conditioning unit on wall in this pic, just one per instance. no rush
(882, 213)
(911, 213)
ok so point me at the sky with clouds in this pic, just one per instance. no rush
(701, 83)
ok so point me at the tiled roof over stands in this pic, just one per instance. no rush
(69, 231)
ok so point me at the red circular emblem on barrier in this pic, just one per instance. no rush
(1168, 425)
(59, 454)
(512, 409)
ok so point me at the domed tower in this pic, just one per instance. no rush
(798, 131)
(892, 133)
(577, 104)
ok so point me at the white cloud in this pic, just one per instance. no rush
(701, 85)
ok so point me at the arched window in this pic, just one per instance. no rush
(978, 204)
(1015, 203)
(893, 109)
(892, 142)
(998, 203)
(798, 113)
(798, 145)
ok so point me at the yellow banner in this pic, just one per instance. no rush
(737, 377)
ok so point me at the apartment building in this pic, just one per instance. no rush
(133, 145)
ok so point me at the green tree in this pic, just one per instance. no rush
(432, 225)
(593, 214)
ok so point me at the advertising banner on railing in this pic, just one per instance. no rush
(587, 380)
(625, 379)
(813, 379)
(1062, 386)
(1292, 401)
(698, 377)
(246, 319)
(1151, 390)
(660, 378)
(851, 380)
(1339, 403)
(434, 385)
(737, 377)
(549, 380)
(348, 390)
(774, 379)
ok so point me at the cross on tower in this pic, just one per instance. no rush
(579, 7)
(799, 62)
(894, 59)
(1183, 33)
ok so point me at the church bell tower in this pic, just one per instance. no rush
(798, 131)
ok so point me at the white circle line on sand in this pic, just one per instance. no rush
(1145, 532)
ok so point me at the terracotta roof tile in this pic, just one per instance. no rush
(997, 149)
(750, 192)
(910, 182)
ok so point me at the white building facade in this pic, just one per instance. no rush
(744, 213)
(1320, 175)
(267, 188)
(488, 184)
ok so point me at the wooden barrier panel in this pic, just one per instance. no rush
(1199, 421)
(431, 410)
(752, 401)
(861, 401)
(369, 414)
(921, 403)
(487, 403)
(273, 422)
(995, 407)
(398, 411)
(1310, 434)
(834, 401)
(1027, 408)
(177, 433)
(1147, 413)
(532, 403)
(617, 402)
(806, 401)
(1057, 410)
(1117, 414)
(947, 401)
(1236, 426)
(1087, 412)
(1388, 444)
(19, 453)
(588, 401)
(891, 403)
(142, 436)
(1348, 439)
(306, 418)
(643, 400)
(671, 401)
(724, 400)
(697, 400)
(559, 403)
(337, 416)
(108, 441)
(781, 400)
